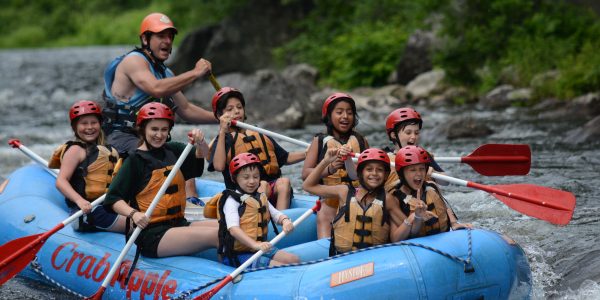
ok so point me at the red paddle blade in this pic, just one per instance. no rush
(17, 254)
(216, 289)
(554, 206)
(97, 295)
(500, 159)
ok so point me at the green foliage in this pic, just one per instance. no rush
(51, 23)
(356, 43)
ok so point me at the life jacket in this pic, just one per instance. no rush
(254, 220)
(94, 174)
(393, 179)
(121, 115)
(325, 142)
(435, 204)
(355, 227)
(172, 204)
(256, 143)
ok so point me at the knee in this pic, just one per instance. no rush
(294, 259)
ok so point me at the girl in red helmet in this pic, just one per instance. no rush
(403, 127)
(86, 167)
(416, 205)
(362, 219)
(166, 232)
(228, 104)
(244, 215)
(340, 118)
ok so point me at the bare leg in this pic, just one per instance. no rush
(282, 258)
(324, 218)
(190, 188)
(187, 240)
(283, 190)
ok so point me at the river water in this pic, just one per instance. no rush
(38, 86)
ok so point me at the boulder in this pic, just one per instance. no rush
(243, 42)
(416, 57)
(463, 127)
(270, 96)
(590, 132)
(497, 98)
(584, 107)
(426, 84)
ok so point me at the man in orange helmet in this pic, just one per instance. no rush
(140, 76)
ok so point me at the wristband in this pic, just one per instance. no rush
(418, 218)
(407, 223)
(132, 213)
(286, 218)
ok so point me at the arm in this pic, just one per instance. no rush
(196, 136)
(403, 227)
(311, 160)
(71, 159)
(281, 219)
(136, 68)
(191, 112)
(311, 183)
(230, 210)
(139, 218)
(220, 154)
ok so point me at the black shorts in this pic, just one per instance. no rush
(150, 237)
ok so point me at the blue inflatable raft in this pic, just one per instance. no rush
(464, 264)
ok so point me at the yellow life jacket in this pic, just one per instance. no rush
(355, 227)
(357, 143)
(211, 207)
(172, 204)
(256, 143)
(435, 204)
(254, 219)
(92, 176)
(393, 179)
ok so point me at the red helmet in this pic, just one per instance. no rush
(334, 97)
(241, 160)
(156, 22)
(401, 115)
(154, 110)
(225, 91)
(85, 107)
(373, 154)
(411, 155)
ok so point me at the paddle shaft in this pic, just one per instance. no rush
(493, 190)
(214, 81)
(269, 133)
(256, 255)
(148, 213)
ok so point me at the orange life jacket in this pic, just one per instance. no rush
(172, 204)
(259, 145)
(355, 227)
(93, 175)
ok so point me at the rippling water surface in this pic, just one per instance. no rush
(38, 86)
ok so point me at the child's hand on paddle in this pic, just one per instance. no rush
(264, 246)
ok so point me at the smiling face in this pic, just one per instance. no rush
(408, 135)
(88, 128)
(248, 179)
(161, 44)
(415, 175)
(342, 117)
(373, 174)
(156, 132)
(235, 108)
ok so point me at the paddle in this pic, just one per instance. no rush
(488, 159)
(256, 255)
(18, 253)
(136, 232)
(496, 159)
(554, 206)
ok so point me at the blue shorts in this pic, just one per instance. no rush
(262, 261)
(99, 218)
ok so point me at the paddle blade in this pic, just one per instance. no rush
(17, 254)
(97, 295)
(552, 205)
(216, 289)
(500, 159)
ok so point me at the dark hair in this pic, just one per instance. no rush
(402, 125)
(327, 119)
(222, 103)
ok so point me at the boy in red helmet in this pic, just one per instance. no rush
(244, 216)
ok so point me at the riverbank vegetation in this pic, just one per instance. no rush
(482, 43)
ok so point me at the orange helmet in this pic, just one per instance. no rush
(156, 22)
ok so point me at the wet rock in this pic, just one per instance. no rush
(584, 107)
(497, 98)
(519, 95)
(426, 84)
(462, 128)
(454, 95)
(268, 94)
(590, 132)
